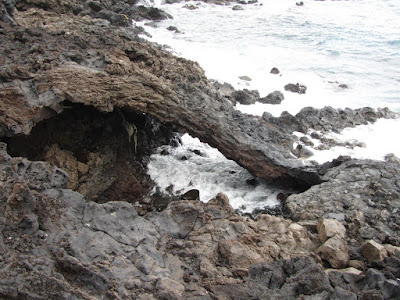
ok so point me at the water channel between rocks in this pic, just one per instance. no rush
(196, 165)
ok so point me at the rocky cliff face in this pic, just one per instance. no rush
(84, 101)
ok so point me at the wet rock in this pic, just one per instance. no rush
(245, 78)
(245, 96)
(328, 228)
(174, 29)
(191, 195)
(226, 89)
(275, 97)
(152, 13)
(302, 152)
(237, 7)
(372, 251)
(295, 88)
(335, 251)
(190, 6)
(275, 71)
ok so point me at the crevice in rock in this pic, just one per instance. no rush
(105, 154)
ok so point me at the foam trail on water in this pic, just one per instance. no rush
(195, 165)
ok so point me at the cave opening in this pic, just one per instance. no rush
(104, 153)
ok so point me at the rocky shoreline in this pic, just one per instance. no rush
(84, 101)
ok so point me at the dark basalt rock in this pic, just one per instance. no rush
(245, 96)
(366, 188)
(275, 97)
(275, 71)
(295, 88)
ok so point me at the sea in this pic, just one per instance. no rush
(347, 54)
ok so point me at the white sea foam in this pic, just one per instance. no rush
(321, 45)
(195, 165)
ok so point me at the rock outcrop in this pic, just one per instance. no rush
(83, 103)
(52, 58)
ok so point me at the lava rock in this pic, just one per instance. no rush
(237, 7)
(295, 88)
(190, 6)
(191, 195)
(275, 71)
(275, 97)
(246, 96)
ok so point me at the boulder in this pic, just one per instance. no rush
(237, 7)
(245, 96)
(373, 251)
(275, 71)
(275, 97)
(190, 6)
(335, 251)
(328, 228)
(295, 88)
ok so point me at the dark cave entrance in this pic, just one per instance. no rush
(105, 154)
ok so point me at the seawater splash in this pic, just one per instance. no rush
(322, 44)
(196, 165)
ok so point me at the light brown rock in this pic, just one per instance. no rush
(392, 250)
(373, 251)
(328, 228)
(335, 251)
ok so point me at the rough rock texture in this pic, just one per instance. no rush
(245, 96)
(335, 251)
(364, 194)
(275, 97)
(373, 251)
(94, 100)
(52, 58)
(85, 249)
(295, 88)
(328, 228)
(56, 244)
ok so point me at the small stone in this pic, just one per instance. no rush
(275, 97)
(191, 195)
(82, 168)
(328, 228)
(357, 264)
(335, 252)
(392, 250)
(190, 6)
(237, 7)
(275, 71)
(296, 88)
(373, 251)
(245, 78)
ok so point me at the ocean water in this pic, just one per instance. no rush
(322, 45)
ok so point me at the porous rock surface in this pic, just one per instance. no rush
(75, 218)
(52, 57)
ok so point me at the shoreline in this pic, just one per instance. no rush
(85, 102)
